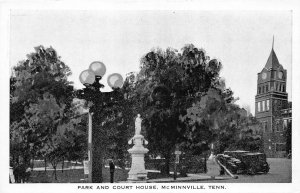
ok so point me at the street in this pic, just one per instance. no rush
(280, 172)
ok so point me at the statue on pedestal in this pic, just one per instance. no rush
(213, 168)
(138, 125)
(137, 171)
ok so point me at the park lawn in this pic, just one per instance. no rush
(73, 176)
(41, 164)
(77, 176)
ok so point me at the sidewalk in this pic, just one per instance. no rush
(189, 178)
(66, 168)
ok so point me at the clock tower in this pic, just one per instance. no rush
(270, 99)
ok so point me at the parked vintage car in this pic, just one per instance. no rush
(231, 163)
(244, 162)
(255, 163)
(236, 154)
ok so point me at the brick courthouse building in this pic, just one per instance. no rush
(272, 108)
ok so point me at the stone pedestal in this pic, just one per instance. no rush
(213, 168)
(137, 171)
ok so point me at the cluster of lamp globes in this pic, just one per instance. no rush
(98, 69)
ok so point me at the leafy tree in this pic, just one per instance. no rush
(115, 124)
(55, 134)
(167, 85)
(118, 127)
(185, 102)
(226, 125)
(41, 113)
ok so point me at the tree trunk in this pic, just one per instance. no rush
(45, 161)
(32, 165)
(55, 175)
(54, 164)
(167, 166)
(62, 166)
(205, 166)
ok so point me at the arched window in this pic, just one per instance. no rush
(283, 88)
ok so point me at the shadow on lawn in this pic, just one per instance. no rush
(77, 176)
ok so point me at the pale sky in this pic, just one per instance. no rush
(241, 40)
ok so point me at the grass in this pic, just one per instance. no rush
(41, 164)
(73, 176)
(280, 172)
(77, 176)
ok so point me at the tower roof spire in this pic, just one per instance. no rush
(273, 43)
(272, 61)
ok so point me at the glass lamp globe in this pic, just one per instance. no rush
(98, 68)
(87, 77)
(115, 80)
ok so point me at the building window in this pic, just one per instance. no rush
(272, 86)
(279, 127)
(283, 88)
(265, 126)
(280, 146)
(259, 90)
(258, 106)
(276, 86)
(268, 105)
(263, 106)
(267, 88)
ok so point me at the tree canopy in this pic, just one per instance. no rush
(42, 116)
(184, 101)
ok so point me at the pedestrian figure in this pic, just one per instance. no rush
(112, 170)
(21, 173)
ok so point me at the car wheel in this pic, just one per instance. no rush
(266, 170)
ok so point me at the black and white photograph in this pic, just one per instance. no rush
(126, 96)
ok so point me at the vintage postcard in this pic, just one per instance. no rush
(156, 96)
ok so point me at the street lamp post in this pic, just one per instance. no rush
(97, 101)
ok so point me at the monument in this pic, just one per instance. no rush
(137, 171)
(213, 168)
